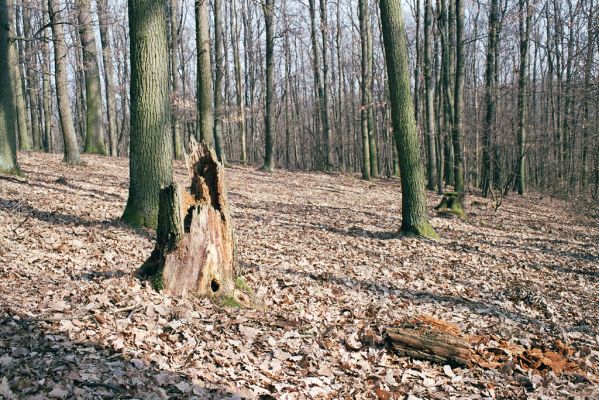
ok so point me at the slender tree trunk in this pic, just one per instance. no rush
(429, 100)
(326, 126)
(489, 96)
(586, 128)
(174, 73)
(458, 99)
(205, 118)
(414, 211)
(235, 34)
(524, 18)
(19, 97)
(372, 142)
(94, 137)
(32, 79)
(71, 147)
(8, 146)
(269, 117)
(46, 91)
(218, 79)
(108, 59)
(365, 89)
(150, 162)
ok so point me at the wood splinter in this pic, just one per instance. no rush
(194, 247)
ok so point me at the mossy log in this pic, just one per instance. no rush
(423, 340)
(452, 203)
(194, 252)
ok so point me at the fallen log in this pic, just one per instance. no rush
(194, 246)
(425, 338)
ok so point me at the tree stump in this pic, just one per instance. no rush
(452, 203)
(194, 252)
(425, 338)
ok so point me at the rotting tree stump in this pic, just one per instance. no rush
(194, 252)
(452, 203)
(425, 338)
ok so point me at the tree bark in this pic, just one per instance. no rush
(19, 97)
(94, 132)
(458, 99)
(429, 101)
(235, 34)
(205, 117)
(8, 146)
(108, 59)
(194, 249)
(175, 95)
(269, 117)
(414, 211)
(365, 88)
(71, 147)
(150, 162)
(524, 17)
(218, 79)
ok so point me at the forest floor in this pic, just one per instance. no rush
(329, 272)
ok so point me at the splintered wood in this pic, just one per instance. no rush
(426, 338)
(194, 248)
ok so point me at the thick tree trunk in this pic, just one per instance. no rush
(71, 147)
(414, 211)
(205, 118)
(195, 247)
(8, 149)
(150, 162)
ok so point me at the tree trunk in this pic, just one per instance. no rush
(175, 96)
(194, 249)
(326, 126)
(269, 117)
(414, 210)
(8, 148)
(46, 91)
(429, 102)
(235, 34)
(458, 99)
(19, 97)
(524, 17)
(365, 88)
(489, 96)
(218, 79)
(94, 136)
(108, 58)
(150, 162)
(71, 147)
(205, 118)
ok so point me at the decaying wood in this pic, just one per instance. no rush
(452, 203)
(194, 248)
(427, 339)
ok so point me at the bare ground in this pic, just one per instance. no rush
(330, 273)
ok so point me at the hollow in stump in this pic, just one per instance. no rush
(194, 252)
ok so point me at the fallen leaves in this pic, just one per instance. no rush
(324, 259)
